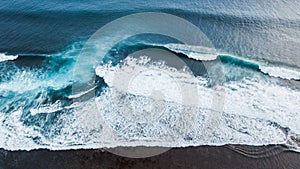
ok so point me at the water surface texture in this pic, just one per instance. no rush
(257, 46)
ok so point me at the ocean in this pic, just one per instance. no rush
(68, 82)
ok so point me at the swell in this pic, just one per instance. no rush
(62, 27)
(226, 16)
(274, 71)
(69, 55)
(206, 54)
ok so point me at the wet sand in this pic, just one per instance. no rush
(231, 157)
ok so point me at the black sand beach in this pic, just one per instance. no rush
(262, 157)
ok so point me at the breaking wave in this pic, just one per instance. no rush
(4, 57)
(39, 110)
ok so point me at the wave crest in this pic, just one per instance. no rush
(4, 57)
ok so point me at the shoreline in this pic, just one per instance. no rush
(273, 156)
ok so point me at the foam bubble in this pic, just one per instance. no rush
(4, 57)
(281, 72)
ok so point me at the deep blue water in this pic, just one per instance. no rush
(268, 29)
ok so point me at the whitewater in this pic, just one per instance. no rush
(258, 102)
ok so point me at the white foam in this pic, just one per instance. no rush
(208, 54)
(74, 96)
(4, 57)
(281, 72)
(194, 52)
(23, 80)
(47, 108)
(256, 112)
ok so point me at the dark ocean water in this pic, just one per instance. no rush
(256, 42)
(263, 29)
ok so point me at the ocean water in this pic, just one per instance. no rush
(43, 104)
